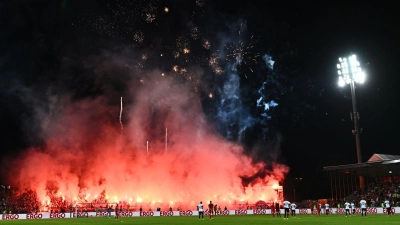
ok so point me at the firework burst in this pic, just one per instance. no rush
(195, 33)
(213, 63)
(242, 52)
(200, 3)
(138, 36)
(207, 45)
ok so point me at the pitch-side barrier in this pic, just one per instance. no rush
(179, 213)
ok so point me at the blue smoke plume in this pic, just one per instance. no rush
(234, 116)
(268, 61)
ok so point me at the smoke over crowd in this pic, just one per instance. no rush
(125, 122)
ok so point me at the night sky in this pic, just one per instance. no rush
(52, 50)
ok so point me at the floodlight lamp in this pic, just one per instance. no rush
(361, 77)
(349, 70)
(341, 81)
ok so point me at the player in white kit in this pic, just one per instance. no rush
(286, 205)
(293, 208)
(347, 207)
(363, 205)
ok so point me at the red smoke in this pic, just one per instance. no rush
(87, 152)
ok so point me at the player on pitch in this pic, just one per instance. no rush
(211, 210)
(201, 211)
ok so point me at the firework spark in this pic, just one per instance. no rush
(195, 33)
(213, 60)
(200, 3)
(182, 43)
(138, 36)
(150, 17)
(207, 45)
(242, 52)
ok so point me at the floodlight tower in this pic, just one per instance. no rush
(350, 72)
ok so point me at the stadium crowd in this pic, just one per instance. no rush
(20, 203)
(375, 193)
(15, 201)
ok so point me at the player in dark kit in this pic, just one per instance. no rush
(277, 210)
(211, 210)
(273, 210)
(116, 211)
(109, 211)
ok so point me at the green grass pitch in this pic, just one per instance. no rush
(380, 219)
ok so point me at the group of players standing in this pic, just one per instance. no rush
(292, 207)
(347, 205)
(275, 209)
(363, 205)
(288, 207)
(350, 206)
(212, 209)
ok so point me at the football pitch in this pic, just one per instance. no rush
(228, 220)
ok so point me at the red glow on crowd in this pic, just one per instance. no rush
(166, 154)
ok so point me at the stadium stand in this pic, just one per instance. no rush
(381, 181)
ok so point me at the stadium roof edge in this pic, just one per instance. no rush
(378, 165)
(382, 157)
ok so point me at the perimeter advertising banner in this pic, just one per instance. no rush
(179, 213)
